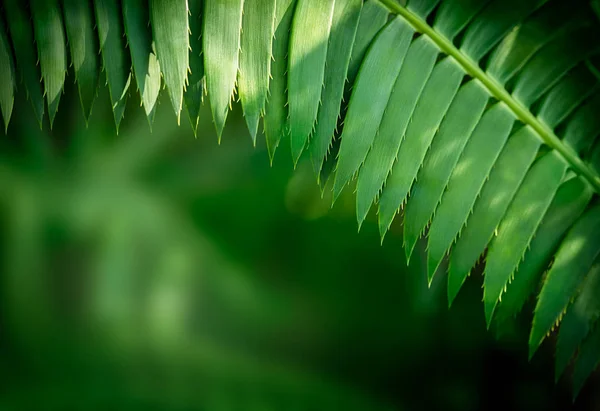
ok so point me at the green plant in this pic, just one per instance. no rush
(484, 112)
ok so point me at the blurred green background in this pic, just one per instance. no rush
(155, 270)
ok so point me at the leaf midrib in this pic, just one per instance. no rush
(498, 91)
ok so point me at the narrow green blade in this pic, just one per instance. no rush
(573, 261)
(491, 25)
(83, 42)
(345, 21)
(171, 33)
(578, 320)
(7, 74)
(432, 107)
(538, 76)
(468, 177)
(584, 126)
(281, 10)
(498, 192)
(222, 25)
(370, 98)
(50, 39)
(453, 15)
(413, 79)
(116, 60)
(569, 203)
(422, 7)
(309, 39)
(145, 64)
(518, 227)
(456, 128)
(194, 93)
(21, 34)
(526, 39)
(567, 95)
(258, 30)
(276, 112)
(373, 17)
(587, 360)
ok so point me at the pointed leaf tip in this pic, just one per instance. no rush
(455, 283)
(221, 44)
(83, 42)
(309, 40)
(565, 277)
(7, 74)
(51, 44)
(490, 308)
(258, 30)
(116, 61)
(170, 29)
(22, 36)
(145, 64)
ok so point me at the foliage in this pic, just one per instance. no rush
(478, 119)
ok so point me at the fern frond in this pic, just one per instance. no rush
(477, 119)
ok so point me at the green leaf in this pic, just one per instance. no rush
(505, 179)
(116, 61)
(171, 33)
(373, 17)
(83, 42)
(528, 38)
(50, 39)
(276, 111)
(538, 76)
(584, 125)
(456, 128)
(21, 34)
(309, 39)
(391, 135)
(222, 25)
(566, 96)
(518, 227)
(476, 112)
(7, 74)
(370, 98)
(145, 64)
(390, 142)
(468, 177)
(258, 30)
(573, 261)
(422, 7)
(490, 26)
(453, 15)
(345, 22)
(578, 320)
(587, 360)
(282, 7)
(570, 201)
(194, 93)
